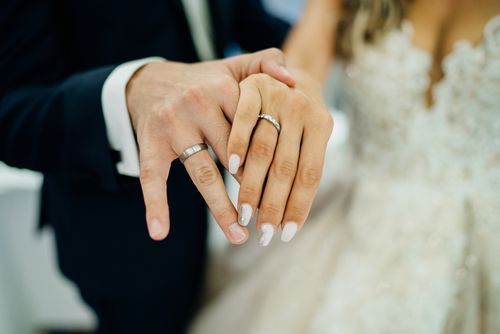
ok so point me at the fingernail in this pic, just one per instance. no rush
(285, 71)
(266, 234)
(155, 228)
(245, 214)
(289, 231)
(236, 233)
(234, 163)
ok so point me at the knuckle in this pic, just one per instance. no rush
(223, 217)
(205, 174)
(285, 169)
(324, 116)
(147, 174)
(323, 122)
(263, 150)
(279, 93)
(309, 177)
(326, 127)
(151, 206)
(245, 114)
(221, 140)
(220, 143)
(329, 122)
(237, 144)
(271, 209)
(248, 192)
(166, 113)
(193, 94)
(258, 79)
(167, 118)
(275, 53)
(296, 211)
(226, 86)
(300, 101)
(220, 214)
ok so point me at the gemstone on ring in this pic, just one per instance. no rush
(272, 120)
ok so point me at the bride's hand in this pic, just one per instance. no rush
(288, 163)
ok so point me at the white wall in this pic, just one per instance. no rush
(33, 294)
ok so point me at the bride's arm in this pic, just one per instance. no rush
(311, 43)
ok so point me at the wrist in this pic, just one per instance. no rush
(308, 84)
(117, 117)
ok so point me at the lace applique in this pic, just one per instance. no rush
(393, 129)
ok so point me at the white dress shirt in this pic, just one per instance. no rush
(114, 103)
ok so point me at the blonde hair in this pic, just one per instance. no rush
(365, 21)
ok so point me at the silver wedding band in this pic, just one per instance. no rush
(271, 120)
(190, 151)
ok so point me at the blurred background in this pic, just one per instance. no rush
(34, 297)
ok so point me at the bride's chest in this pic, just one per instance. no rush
(385, 94)
(385, 88)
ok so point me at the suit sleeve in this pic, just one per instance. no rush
(256, 28)
(50, 121)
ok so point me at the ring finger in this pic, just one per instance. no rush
(259, 158)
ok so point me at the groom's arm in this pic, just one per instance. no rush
(50, 121)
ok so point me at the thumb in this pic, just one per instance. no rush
(269, 61)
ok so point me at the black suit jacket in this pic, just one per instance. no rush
(54, 58)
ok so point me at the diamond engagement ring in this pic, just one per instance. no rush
(271, 120)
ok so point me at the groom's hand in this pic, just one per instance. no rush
(174, 106)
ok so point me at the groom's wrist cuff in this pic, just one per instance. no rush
(118, 125)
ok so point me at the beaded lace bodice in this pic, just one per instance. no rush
(394, 131)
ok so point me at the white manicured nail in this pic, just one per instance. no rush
(237, 234)
(245, 214)
(266, 234)
(156, 229)
(289, 231)
(234, 163)
(285, 71)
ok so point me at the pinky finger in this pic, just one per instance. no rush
(305, 185)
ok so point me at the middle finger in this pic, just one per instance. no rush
(279, 181)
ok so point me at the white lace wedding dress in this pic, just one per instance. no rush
(409, 241)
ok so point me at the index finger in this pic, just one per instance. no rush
(245, 119)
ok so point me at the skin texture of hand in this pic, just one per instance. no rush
(290, 163)
(173, 106)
